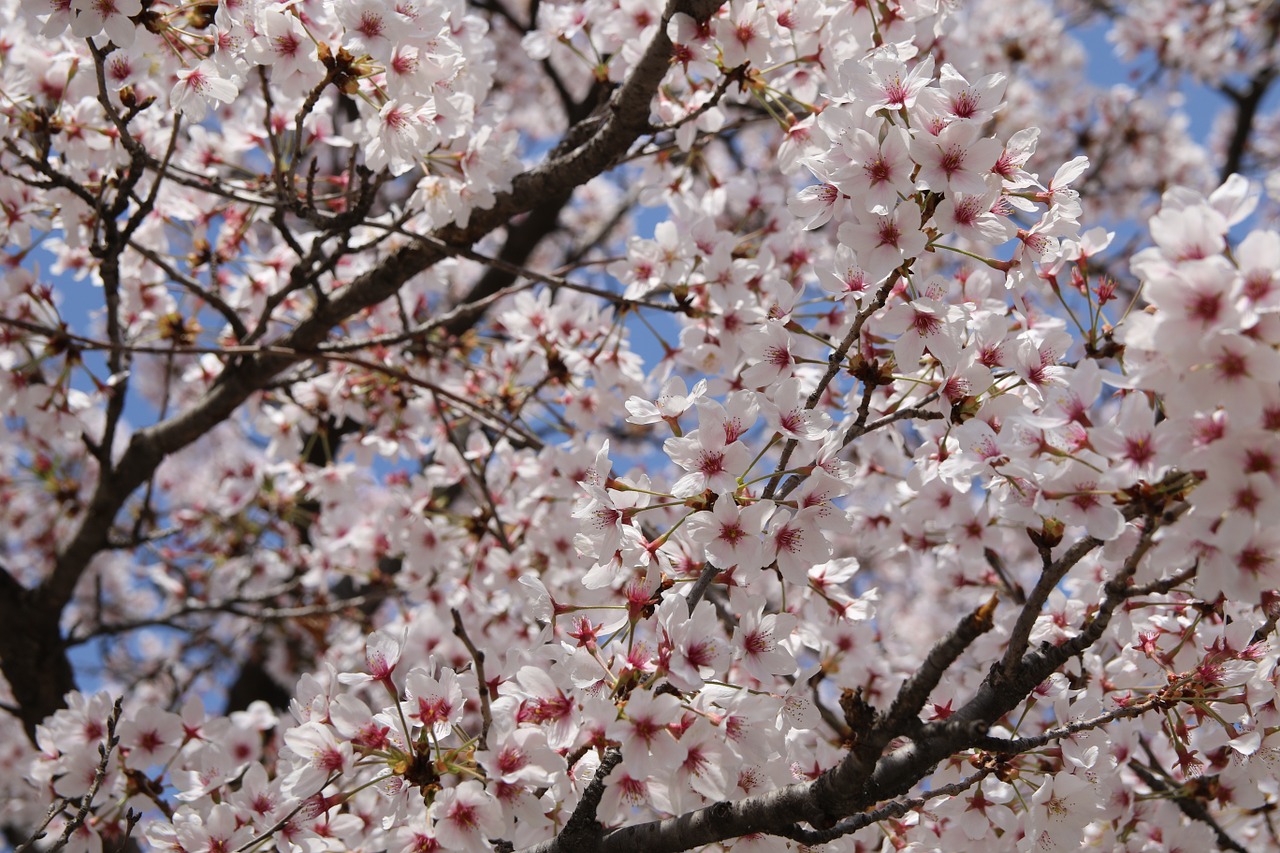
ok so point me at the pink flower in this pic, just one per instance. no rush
(731, 533)
(960, 99)
(1009, 165)
(1037, 361)
(972, 217)
(758, 639)
(712, 454)
(882, 242)
(673, 402)
(815, 204)
(382, 653)
(1082, 498)
(1258, 257)
(197, 87)
(786, 412)
(845, 276)
(693, 646)
(606, 524)
(466, 816)
(956, 160)
(880, 170)
(709, 767)
(924, 323)
(1059, 195)
(399, 136)
(1195, 299)
(372, 27)
(259, 797)
(91, 17)
(772, 346)
(354, 720)
(322, 757)
(882, 80)
(648, 746)
(1185, 234)
(1246, 562)
(282, 43)
(543, 702)
(217, 832)
(1130, 440)
(434, 703)
(797, 544)
(521, 756)
(743, 35)
(1061, 808)
(152, 736)
(628, 790)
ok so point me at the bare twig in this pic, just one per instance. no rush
(486, 715)
(915, 690)
(888, 811)
(1050, 576)
(105, 748)
(1189, 806)
(834, 362)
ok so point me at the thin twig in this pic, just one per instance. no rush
(486, 715)
(896, 809)
(105, 748)
(834, 362)
(1189, 806)
(1050, 576)
(1014, 746)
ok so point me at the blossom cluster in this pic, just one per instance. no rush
(537, 511)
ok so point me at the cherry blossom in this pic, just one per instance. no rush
(466, 816)
(731, 534)
(533, 426)
(196, 87)
(883, 80)
(434, 701)
(879, 171)
(647, 742)
(955, 159)
(884, 242)
(758, 641)
(90, 18)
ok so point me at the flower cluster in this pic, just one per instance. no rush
(501, 510)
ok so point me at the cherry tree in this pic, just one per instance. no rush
(513, 425)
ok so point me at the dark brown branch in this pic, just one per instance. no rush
(892, 810)
(834, 362)
(1247, 103)
(913, 413)
(1014, 746)
(197, 290)
(915, 691)
(770, 812)
(1050, 577)
(700, 586)
(486, 716)
(582, 832)
(1189, 806)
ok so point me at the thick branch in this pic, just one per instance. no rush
(915, 691)
(1247, 104)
